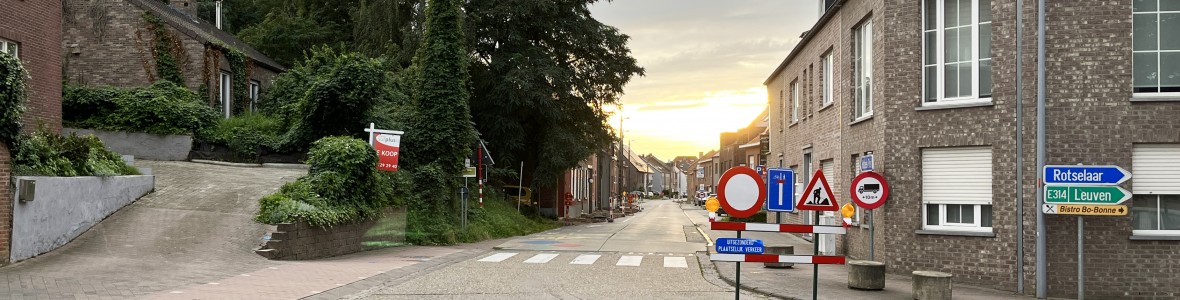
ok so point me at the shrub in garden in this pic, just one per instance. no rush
(342, 186)
(161, 108)
(244, 134)
(48, 154)
(12, 97)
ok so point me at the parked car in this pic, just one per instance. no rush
(522, 195)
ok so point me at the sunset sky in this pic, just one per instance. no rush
(705, 60)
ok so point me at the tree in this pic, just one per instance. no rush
(543, 72)
(440, 132)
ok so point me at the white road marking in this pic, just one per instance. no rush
(585, 259)
(675, 262)
(541, 258)
(630, 261)
(498, 257)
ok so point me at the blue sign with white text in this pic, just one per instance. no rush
(740, 246)
(866, 163)
(1103, 175)
(780, 190)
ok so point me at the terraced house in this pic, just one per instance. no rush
(929, 89)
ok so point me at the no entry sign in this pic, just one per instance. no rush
(741, 192)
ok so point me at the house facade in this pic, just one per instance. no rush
(30, 31)
(121, 43)
(929, 89)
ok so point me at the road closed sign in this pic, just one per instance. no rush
(869, 190)
(387, 146)
(741, 192)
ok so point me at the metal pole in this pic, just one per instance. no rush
(1042, 264)
(1081, 262)
(814, 266)
(519, 186)
(1019, 150)
(737, 290)
(872, 231)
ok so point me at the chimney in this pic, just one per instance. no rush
(186, 6)
(217, 13)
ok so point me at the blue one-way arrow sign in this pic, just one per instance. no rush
(1102, 175)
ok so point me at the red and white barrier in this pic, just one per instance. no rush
(795, 228)
(771, 258)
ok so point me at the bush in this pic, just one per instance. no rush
(162, 108)
(246, 135)
(12, 98)
(342, 186)
(48, 154)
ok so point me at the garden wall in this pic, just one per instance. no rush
(302, 241)
(62, 208)
(142, 145)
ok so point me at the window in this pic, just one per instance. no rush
(795, 101)
(1156, 206)
(1156, 50)
(255, 87)
(225, 96)
(862, 65)
(957, 188)
(957, 64)
(827, 73)
(9, 47)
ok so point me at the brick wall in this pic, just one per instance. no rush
(301, 241)
(36, 27)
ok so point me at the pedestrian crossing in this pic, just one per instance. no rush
(669, 261)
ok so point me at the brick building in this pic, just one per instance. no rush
(30, 30)
(940, 120)
(111, 42)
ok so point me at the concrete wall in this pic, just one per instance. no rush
(302, 241)
(142, 145)
(65, 207)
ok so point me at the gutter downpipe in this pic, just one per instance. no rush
(1042, 277)
(1019, 150)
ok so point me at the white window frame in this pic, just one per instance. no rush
(10, 47)
(795, 101)
(940, 59)
(975, 226)
(225, 93)
(827, 74)
(1158, 61)
(1159, 219)
(862, 67)
(255, 89)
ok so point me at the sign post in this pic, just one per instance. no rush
(741, 192)
(817, 197)
(1084, 191)
(869, 190)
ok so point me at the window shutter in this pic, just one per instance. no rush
(957, 175)
(830, 175)
(1155, 169)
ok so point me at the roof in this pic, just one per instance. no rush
(752, 143)
(203, 31)
(807, 36)
(637, 161)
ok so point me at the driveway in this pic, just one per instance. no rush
(196, 227)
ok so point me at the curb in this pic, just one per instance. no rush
(227, 164)
(286, 166)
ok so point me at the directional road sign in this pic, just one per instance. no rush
(780, 190)
(741, 192)
(1077, 175)
(1093, 195)
(818, 196)
(1085, 210)
(740, 246)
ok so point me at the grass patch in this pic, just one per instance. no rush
(499, 219)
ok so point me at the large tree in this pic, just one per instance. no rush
(440, 134)
(543, 72)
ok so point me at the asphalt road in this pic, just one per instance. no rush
(651, 255)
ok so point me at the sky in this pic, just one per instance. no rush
(705, 62)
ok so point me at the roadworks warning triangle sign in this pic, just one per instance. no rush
(818, 196)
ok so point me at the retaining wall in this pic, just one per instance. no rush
(142, 145)
(62, 208)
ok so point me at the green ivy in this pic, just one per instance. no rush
(162, 108)
(12, 98)
(238, 66)
(44, 153)
(167, 66)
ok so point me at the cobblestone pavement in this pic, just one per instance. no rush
(195, 228)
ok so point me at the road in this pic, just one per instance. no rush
(651, 255)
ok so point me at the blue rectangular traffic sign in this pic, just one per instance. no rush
(780, 190)
(1100, 175)
(866, 163)
(739, 246)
